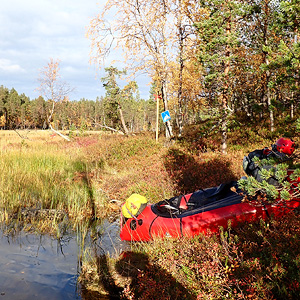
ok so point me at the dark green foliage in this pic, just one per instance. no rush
(19, 112)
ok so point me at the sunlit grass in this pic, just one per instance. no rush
(43, 172)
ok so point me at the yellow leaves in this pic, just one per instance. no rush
(194, 11)
(2, 121)
(148, 33)
(139, 29)
(50, 72)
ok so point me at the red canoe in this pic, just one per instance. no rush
(203, 211)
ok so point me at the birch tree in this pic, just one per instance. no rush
(142, 30)
(186, 78)
(53, 89)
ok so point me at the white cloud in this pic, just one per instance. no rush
(8, 66)
(33, 31)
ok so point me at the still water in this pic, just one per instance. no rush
(41, 267)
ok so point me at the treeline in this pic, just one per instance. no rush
(19, 112)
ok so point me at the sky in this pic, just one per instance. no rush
(33, 31)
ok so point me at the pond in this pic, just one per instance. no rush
(41, 267)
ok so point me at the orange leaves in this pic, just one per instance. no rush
(51, 87)
(52, 70)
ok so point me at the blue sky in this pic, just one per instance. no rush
(33, 31)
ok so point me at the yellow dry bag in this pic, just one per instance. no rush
(133, 206)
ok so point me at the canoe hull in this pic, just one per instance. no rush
(203, 211)
(148, 225)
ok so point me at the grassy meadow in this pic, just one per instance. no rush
(46, 182)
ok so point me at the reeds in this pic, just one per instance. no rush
(44, 173)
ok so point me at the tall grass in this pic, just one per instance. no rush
(43, 172)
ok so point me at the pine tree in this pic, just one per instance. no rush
(217, 41)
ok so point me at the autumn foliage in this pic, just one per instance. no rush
(253, 261)
(258, 261)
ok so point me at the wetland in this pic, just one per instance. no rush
(59, 213)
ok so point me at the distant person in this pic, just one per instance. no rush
(281, 152)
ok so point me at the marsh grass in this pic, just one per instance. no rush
(42, 174)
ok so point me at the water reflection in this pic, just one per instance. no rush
(41, 267)
(38, 267)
